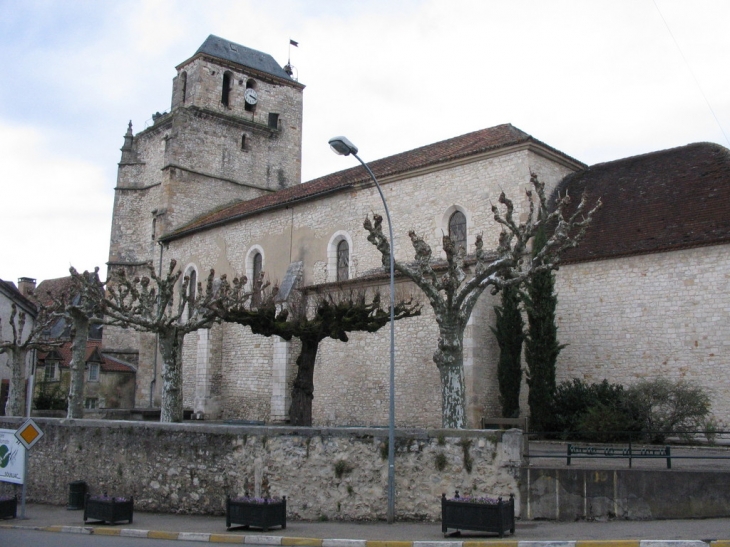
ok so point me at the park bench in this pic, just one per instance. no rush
(619, 452)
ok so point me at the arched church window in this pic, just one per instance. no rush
(343, 261)
(457, 229)
(226, 90)
(257, 266)
(192, 285)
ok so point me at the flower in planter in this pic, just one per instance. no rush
(104, 497)
(475, 499)
(252, 499)
(7, 497)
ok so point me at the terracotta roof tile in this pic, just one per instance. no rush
(433, 154)
(665, 200)
(108, 364)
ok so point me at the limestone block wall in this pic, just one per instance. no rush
(351, 380)
(656, 315)
(190, 468)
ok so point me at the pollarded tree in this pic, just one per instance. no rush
(453, 288)
(81, 307)
(508, 331)
(331, 315)
(150, 304)
(19, 345)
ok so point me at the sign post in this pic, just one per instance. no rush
(27, 435)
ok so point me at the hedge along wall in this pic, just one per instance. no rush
(340, 473)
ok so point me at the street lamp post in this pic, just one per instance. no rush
(343, 147)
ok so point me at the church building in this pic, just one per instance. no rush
(215, 183)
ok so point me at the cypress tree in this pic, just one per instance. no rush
(509, 332)
(541, 344)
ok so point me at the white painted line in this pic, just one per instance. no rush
(76, 530)
(132, 533)
(193, 536)
(343, 543)
(262, 540)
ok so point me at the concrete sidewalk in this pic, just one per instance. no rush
(688, 533)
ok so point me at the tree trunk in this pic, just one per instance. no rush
(449, 359)
(78, 364)
(16, 392)
(300, 412)
(172, 396)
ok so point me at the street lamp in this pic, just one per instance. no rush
(343, 147)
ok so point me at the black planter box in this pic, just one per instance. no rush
(9, 508)
(108, 510)
(258, 515)
(497, 518)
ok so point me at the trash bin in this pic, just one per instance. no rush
(76, 495)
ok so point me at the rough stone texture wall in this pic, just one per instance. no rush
(246, 372)
(302, 232)
(191, 468)
(656, 315)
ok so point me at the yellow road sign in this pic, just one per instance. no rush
(29, 433)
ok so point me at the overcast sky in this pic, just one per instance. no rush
(599, 80)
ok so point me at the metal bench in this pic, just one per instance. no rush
(619, 452)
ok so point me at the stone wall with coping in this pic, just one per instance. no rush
(649, 316)
(338, 473)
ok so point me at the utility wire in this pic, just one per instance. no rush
(692, 73)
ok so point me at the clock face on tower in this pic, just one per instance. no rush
(250, 96)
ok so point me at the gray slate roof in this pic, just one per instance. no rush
(242, 55)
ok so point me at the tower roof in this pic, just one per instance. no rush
(242, 55)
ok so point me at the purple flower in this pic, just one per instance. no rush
(476, 499)
(251, 499)
(107, 498)
(6, 498)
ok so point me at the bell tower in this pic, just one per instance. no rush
(233, 133)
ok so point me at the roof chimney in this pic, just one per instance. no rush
(26, 286)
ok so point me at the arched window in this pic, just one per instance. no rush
(257, 266)
(192, 285)
(226, 90)
(457, 229)
(340, 265)
(184, 86)
(343, 260)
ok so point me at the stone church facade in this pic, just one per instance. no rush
(215, 183)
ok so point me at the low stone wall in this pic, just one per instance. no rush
(634, 494)
(336, 473)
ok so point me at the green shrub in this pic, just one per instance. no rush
(663, 408)
(51, 396)
(608, 423)
(574, 399)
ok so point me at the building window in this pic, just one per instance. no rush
(243, 141)
(257, 266)
(226, 90)
(273, 120)
(50, 374)
(192, 285)
(343, 260)
(93, 372)
(90, 403)
(457, 230)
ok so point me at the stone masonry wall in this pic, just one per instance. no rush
(656, 315)
(351, 380)
(325, 473)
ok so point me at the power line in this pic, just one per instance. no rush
(692, 73)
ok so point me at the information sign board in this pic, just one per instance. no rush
(12, 457)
